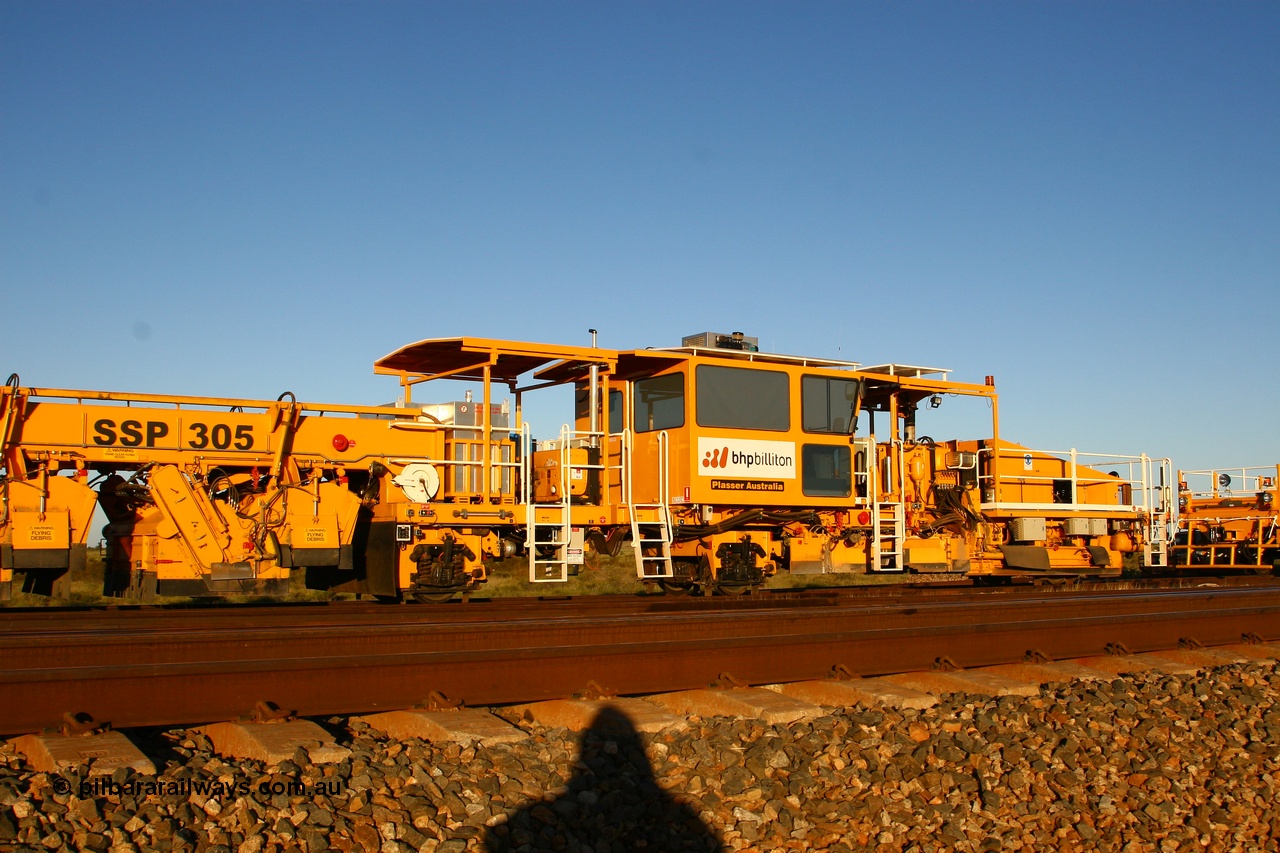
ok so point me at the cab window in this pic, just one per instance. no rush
(659, 402)
(582, 407)
(738, 398)
(826, 471)
(617, 418)
(829, 403)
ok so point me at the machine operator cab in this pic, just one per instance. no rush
(731, 464)
(726, 465)
(715, 426)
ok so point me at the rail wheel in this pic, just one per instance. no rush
(1053, 581)
(688, 576)
(733, 588)
(432, 597)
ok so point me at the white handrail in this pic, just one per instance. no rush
(1137, 476)
(1238, 481)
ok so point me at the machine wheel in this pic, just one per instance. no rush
(733, 588)
(432, 597)
(676, 587)
(1052, 581)
(1264, 570)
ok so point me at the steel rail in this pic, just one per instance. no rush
(135, 668)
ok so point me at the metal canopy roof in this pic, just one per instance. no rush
(746, 355)
(908, 370)
(625, 364)
(466, 358)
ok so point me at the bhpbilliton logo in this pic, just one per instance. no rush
(716, 458)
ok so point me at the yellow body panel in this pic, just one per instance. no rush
(32, 530)
(224, 494)
(726, 465)
(1230, 519)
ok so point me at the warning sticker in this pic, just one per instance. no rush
(316, 535)
(748, 485)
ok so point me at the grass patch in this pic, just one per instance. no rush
(602, 575)
(786, 580)
(617, 576)
(86, 591)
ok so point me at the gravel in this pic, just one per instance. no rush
(1142, 763)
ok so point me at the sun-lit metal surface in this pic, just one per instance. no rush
(466, 358)
(158, 667)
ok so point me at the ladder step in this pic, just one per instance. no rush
(651, 528)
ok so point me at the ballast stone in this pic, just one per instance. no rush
(464, 726)
(104, 753)
(842, 782)
(272, 743)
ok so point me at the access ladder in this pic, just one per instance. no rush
(651, 529)
(889, 527)
(547, 525)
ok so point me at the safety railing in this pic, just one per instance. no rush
(864, 470)
(1211, 484)
(464, 462)
(1259, 550)
(1068, 477)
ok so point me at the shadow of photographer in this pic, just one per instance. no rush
(612, 805)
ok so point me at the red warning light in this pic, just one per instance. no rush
(864, 517)
(341, 442)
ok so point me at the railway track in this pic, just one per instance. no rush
(141, 667)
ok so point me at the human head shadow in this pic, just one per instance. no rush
(614, 804)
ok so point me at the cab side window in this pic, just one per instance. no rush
(659, 402)
(829, 403)
(617, 417)
(740, 398)
(826, 470)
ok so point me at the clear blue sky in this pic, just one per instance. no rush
(1082, 199)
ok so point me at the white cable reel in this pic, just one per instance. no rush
(419, 481)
